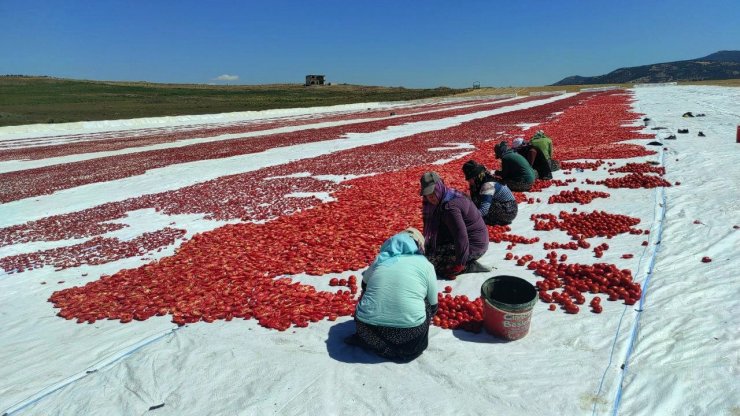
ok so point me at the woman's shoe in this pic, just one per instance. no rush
(475, 267)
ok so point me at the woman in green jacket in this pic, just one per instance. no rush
(544, 143)
(516, 173)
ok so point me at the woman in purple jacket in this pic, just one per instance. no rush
(456, 235)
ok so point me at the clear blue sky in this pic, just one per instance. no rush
(425, 43)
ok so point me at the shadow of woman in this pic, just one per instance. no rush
(483, 337)
(346, 353)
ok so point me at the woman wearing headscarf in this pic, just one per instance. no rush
(541, 141)
(455, 233)
(398, 300)
(534, 156)
(515, 171)
(494, 200)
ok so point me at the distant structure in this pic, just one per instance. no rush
(476, 85)
(314, 80)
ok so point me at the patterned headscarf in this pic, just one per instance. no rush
(482, 178)
(432, 214)
(518, 142)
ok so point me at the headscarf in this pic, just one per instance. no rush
(501, 149)
(482, 178)
(401, 244)
(432, 214)
(471, 169)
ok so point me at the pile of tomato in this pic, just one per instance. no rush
(600, 249)
(499, 233)
(639, 168)
(584, 225)
(459, 312)
(576, 195)
(634, 181)
(570, 245)
(574, 280)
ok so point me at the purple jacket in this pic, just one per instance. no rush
(463, 225)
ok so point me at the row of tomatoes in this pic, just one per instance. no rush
(500, 233)
(96, 251)
(595, 165)
(46, 180)
(594, 131)
(110, 141)
(539, 185)
(259, 195)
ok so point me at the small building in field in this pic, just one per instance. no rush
(314, 80)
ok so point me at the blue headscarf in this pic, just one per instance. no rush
(400, 244)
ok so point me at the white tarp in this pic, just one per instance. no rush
(680, 347)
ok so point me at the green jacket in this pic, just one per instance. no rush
(544, 143)
(516, 168)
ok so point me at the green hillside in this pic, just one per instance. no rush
(720, 65)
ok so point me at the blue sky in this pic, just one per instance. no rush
(414, 44)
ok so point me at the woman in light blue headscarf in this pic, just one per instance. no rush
(398, 300)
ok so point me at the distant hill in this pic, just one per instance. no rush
(717, 66)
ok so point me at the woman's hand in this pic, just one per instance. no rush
(452, 271)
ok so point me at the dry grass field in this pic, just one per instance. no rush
(32, 100)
